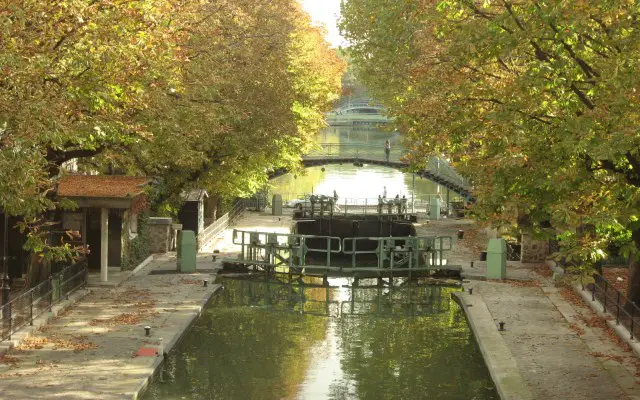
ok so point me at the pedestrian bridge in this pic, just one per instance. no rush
(358, 113)
(362, 108)
(437, 169)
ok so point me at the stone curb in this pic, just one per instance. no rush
(26, 331)
(620, 330)
(168, 346)
(497, 356)
(142, 265)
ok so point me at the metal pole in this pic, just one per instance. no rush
(5, 247)
(413, 192)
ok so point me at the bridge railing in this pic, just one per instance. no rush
(361, 105)
(436, 166)
(360, 151)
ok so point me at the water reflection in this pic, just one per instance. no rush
(274, 340)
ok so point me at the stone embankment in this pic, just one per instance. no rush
(553, 345)
(98, 349)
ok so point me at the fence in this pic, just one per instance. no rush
(220, 224)
(348, 205)
(350, 254)
(23, 309)
(614, 302)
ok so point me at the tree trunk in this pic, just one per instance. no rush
(633, 290)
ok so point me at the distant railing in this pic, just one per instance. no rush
(614, 302)
(26, 307)
(219, 225)
(369, 205)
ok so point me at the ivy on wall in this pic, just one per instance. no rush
(135, 250)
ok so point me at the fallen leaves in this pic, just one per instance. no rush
(133, 318)
(612, 275)
(571, 296)
(542, 270)
(191, 281)
(75, 342)
(613, 357)
(517, 283)
(9, 360)
(141, 305)
(575, 328)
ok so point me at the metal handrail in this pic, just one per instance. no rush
(626, 312)
(40, 299)
(219, 225)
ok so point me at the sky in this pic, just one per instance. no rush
(326, 12)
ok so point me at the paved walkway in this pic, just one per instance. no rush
(98, 348)
(561, 348)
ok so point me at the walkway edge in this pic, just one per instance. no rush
(144, 385)
(500, 362)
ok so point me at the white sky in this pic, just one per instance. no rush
(326, 12)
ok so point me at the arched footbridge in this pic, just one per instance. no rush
(437, 170)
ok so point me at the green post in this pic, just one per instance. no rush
(497, 259)
(276, 205)
(188, 249)
(434, 208)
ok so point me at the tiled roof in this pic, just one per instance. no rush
(101, 186)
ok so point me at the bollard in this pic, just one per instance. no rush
(460, 234)
(471, 264)
(147, 330)
(470, 290)
(206, 282)
(501, 326)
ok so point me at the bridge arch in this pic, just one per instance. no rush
(437, 170)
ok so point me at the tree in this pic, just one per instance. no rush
(536, 100)
(211, 94)
(250, 99)
(73, 75)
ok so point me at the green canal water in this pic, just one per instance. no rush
(271, 339)
(351, 182)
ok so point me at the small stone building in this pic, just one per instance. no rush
(107, 214)
(191, 214)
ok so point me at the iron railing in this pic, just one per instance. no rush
(353, 254)
(25, 308)
(365, 206)
(219, 225)
(626, 312)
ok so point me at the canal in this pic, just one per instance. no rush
(270, 339)
(351, 182)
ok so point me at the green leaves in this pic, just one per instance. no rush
(536, 101)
